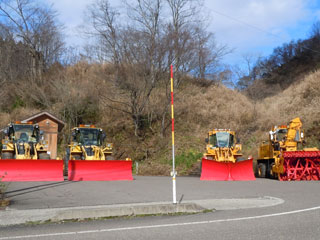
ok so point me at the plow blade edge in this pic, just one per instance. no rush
(111, 170)
(28, 170)
(227, 171)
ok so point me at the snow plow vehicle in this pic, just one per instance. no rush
(223, 158)
(88, 158)
(284, 158)
(24, 155)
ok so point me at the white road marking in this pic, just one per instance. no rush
(161, 225)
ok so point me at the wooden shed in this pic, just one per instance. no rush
(51, 126)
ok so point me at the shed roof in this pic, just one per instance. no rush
(49, 115)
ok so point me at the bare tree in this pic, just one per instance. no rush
(315, 30)
(191, 48)
(35, 27)
(134, 52)
(247, 72)
(142, 50)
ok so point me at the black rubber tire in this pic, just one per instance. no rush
(6, 155)
(261, 170)
(240, 159)
(66, 163)
(44, 156)
(76, 157)
(109, 157)
(271, 174)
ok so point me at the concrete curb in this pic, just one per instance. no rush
(13, 217)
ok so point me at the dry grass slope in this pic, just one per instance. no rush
(197, 110)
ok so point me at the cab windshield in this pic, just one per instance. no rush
(221, 139)
(24, 133)
(89, 136)
(281, 134)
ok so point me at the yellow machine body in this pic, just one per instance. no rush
(222, 146)
(285, 138)
(24, 141)
(223, 158)
(87, 144)
(88, 154)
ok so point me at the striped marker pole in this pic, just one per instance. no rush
(173, 173)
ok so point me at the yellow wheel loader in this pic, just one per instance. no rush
(87, 144)
(24, 141)
(223, 158)
(24, 155)
(88, 158)
(283, 157)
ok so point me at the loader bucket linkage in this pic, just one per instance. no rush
(12, 170)
(227, 171)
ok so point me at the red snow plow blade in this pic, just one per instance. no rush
(227, 171)
(28, 170)
(110, 170)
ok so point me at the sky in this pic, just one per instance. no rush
(252, 27)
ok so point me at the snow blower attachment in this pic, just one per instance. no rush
(89, 160)
(223, 160)
(282, 156)
(24, 155)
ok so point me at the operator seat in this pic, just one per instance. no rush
(24, 137)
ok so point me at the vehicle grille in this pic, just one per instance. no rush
(89, 151)
(20, 149)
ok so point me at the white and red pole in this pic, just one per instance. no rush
(173, 174)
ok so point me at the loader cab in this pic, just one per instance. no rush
(221, 139)
(281, 134)
(88, 136)
(23, 133)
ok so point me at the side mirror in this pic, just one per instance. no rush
(6, 131)
(41, 133)
(104, 135)
(271, 135)
(238, 140)
(73, 134)
(207, 140)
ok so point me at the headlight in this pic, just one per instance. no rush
(109, 145)
(4, 146)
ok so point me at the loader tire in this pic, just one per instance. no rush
(109, 158)
(44, 156)
(240, 159)
(271, 174)
(76, 157)
(65, 167)
(6, 155)
(66, 163)
(262, 170)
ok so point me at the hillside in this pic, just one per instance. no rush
(78, 95)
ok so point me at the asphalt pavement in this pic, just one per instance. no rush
(261, 209)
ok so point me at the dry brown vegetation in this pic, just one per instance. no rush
(78, 96)
(121, 82)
